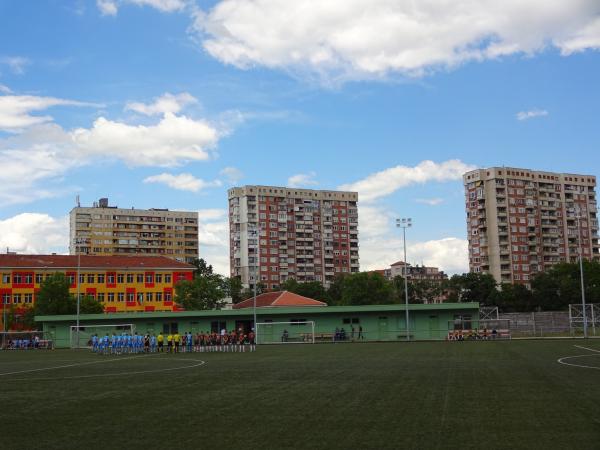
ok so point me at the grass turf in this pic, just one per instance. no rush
(418, 395)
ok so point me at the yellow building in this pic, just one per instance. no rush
(120, 283)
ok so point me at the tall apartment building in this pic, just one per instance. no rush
(522, 221)
(305, 234)
(108, 230)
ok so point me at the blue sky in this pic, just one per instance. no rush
(168, 103)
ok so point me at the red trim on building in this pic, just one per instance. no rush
(74, 278)
(149, 308)
(113, 284)
(23, 275)
(146, 274)
(110, 309)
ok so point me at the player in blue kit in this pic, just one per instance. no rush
(113, 344)
(153, 343)
(129, 340)
(95, 343)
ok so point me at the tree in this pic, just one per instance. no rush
(235, 289)
(54, 297)
(202, 269)
(471, 287)
(334, 293)
(203, 292)
(89, 305)
(310, 289)
(513, 298)
(366, 288)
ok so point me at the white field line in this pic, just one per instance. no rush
(69, 365)
(199, 363)
(562, 360)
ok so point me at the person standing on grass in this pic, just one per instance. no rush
(252, 339)
(160, 340)
(177, 340)
(360, 333)
(169, 343)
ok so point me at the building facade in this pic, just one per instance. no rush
(120, 283)
(107, 230)
(521, 222)
(284, 233)
(421, 273)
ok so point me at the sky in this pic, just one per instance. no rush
(169, 103)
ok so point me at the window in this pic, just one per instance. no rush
(38, 278)
(140, 278)
(120, 278)
(158, 278)
(129, 278)
(149, 278)
(16, 298)
(6, 278)
(91, 278)
(121, 296)
(6, 299)
(111, 297)
(81, 278)
(100, 278)
(167, 296)
(100, 297)
(140, 297)
(159, 296)
(168, 278)
(130, 297)
(29, 299)
(17, 278)
(149, 296)
(111, 278)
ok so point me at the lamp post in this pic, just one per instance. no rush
(405, 223)
(78, 241)
(578, 218)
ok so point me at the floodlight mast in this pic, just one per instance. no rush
(578, 217)
(404, 223)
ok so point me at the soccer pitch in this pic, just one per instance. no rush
(417, 395)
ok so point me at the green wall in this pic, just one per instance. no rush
(379, 322)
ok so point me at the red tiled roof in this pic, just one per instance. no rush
(280, 298)
(399, 263)
(91, 262)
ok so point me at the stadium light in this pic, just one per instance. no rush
(577, 214)
(78, 241)
(405, 223)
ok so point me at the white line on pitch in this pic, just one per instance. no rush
(71, 365)
(590, 349)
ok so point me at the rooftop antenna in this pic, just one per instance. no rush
(77, 201)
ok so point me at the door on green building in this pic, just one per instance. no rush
(383, 328)
(434, 327)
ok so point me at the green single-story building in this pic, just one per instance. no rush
(364, 323)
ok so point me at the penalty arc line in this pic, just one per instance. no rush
(108, 375)
(70, 365)
(562, 360)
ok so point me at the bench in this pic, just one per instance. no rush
(479, 335)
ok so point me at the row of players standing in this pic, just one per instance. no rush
(234, 341)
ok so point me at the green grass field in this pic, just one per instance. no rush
(419, 395)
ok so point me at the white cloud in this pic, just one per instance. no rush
(163, 104)
(213, 234)
(302, 180)
(16, 64)
(111, 7)
(15, 110)
(34, 233)
(38, 153)
(430, 201)
(337, 40)
(232, 174)
(208, 215)
(526, 115)
(5, 89)
(107, 7)
(182, 182)
(171, 142)
(388, 181)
